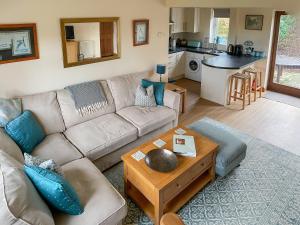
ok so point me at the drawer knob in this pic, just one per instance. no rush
(202, 164)
(177, 185)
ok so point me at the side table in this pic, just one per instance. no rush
(181, 91)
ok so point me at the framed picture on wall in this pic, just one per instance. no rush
(254, 22)
(140, 32)
(18, 42)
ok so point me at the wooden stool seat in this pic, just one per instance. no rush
(171, 219)
(245, 87)
(256, 81)
(241, 76)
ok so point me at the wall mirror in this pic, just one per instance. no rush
(90, 40)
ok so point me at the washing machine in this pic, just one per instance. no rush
(193, 66)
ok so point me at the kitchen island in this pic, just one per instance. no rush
(216, 72)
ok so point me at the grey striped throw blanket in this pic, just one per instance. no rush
(88, 97)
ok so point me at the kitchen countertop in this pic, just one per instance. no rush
(221, 60)
(225, 61)
(190, 49)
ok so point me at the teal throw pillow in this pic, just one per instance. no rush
(9, 110)
(159, 90)
(26, 131)
(55, 190)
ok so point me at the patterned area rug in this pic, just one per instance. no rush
(264, 190)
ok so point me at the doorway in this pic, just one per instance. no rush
(284, 74)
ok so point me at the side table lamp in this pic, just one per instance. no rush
(160, 70)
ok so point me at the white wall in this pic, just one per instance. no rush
(48, 72)
(260, 38)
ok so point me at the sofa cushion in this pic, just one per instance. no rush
(159, 90)
(72, 117)
(20, 203)
(26, 131)
(58, 148)
(148, 119)
(10, 147)
(45, 107)
(9, 109)
(48, 164)
(100, 136)
(123, 88)
(145, 96)
(55, 190)
(103, 205)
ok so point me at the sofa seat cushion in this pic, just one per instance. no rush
(148, 119)
(100, 136)
(102, 203)
(58, 148)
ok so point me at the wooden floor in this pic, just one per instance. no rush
(273, 122)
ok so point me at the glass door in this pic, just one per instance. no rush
(284, 74)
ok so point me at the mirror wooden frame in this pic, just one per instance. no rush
(65, 21)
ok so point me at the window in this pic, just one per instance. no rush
(219, 26)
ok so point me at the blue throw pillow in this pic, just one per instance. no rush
(159, 90)
(55, 190)
(26, 131)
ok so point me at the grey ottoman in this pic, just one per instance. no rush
(231, 149)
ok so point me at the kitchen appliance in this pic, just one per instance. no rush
(172, 43)
(230, 49)
(238, 50)
(194, 44)
(193, 66)
(183, 42)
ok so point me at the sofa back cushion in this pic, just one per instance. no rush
(46, 108)
(10, 147)
(72, 117)
(20, 203)
(123, 88)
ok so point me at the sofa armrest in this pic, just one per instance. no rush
(172, 100)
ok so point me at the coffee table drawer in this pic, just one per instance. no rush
(186, 178)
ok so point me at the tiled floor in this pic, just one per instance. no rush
(271, 121)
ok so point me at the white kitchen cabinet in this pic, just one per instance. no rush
(192, 20)
(185, 20)
(176, 65)
(178, 17)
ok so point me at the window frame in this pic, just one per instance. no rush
(212, 29)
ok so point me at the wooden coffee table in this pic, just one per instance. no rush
(158, 193)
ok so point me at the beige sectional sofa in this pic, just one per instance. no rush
(84, 146)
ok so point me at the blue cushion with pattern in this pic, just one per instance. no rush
(55, 190)
(26, 131)
(159, 90)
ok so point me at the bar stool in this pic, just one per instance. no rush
(245, 87)
(256, 81)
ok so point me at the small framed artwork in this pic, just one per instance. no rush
(140, 32)
(18, 42)
(254, 22)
